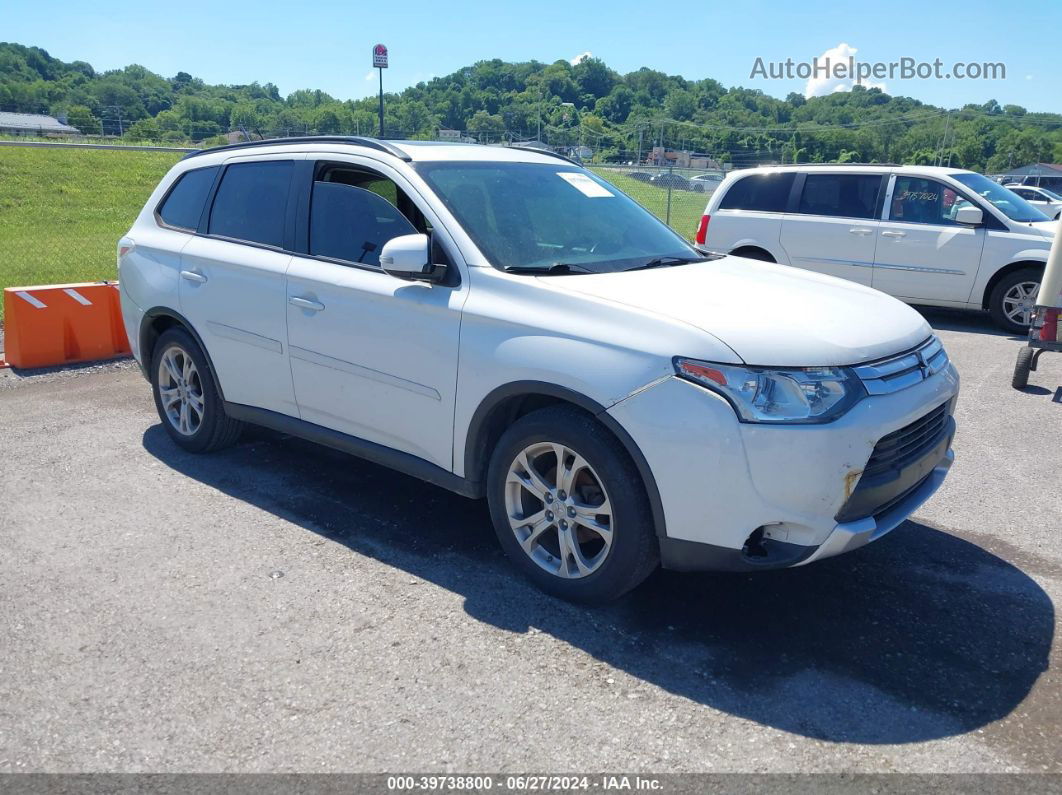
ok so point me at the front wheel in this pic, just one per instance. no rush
(1013, 300)
(1020, 380)
(569, 507)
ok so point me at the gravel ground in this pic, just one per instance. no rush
(281, 607)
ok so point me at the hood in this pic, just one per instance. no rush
(1046, 228)
(768, 314)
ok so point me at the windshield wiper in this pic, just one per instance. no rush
(662, 262)
(557, 268)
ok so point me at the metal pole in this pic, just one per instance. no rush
(667, 219)
(380, 70)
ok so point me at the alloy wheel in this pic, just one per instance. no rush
(181, 391)
(559, 510)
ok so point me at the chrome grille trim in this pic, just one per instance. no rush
(893, 373)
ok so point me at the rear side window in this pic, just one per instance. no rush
(352, 224)
(251, 202)
(183, 205)
(841, 195)
(763, 192)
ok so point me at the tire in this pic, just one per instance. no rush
(1006, 291)
(194, 415)
(1022, 368)
(598, 571)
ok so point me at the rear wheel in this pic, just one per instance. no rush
(753, 253)
(1013, 300)
(569, 507)
(186, 396)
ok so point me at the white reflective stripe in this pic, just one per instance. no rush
(78, 297)
(27, 297)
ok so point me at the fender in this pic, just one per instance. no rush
(476, 457)
(164, 311)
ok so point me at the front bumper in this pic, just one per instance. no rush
(738, 496)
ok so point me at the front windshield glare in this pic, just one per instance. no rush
(537, 215)
(1009, 202)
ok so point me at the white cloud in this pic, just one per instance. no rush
(820, 86)
(581, 57)
(370, 75)
(1028, 77)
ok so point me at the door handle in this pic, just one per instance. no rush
(193, 276)
(859, 230)
(891, 233)
(306, 303)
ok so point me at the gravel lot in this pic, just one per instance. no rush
(280, 607)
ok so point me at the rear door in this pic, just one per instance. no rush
(232, 281)
(372, 355)
(832, 227)
(923, 253)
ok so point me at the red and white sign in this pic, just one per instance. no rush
(379, 57)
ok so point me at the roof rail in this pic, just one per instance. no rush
(547, 152)
(353, 140)
(827, 165)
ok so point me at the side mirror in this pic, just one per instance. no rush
(409, 257)
(969, 215)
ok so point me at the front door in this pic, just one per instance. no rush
(923, 253)
(372, 355)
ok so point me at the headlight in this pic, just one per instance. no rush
(782, 395)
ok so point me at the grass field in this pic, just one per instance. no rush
(687, 207)
(63, 210)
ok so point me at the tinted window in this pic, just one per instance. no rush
(842, 195)
(764, 192)
(352, 224)
(184, 204)
(252, 201)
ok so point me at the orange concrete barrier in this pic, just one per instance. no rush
(63, 323)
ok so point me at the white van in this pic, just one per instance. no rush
(927, 235)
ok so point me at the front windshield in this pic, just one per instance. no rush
(537, 215)
(1010, 203)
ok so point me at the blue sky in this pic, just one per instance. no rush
(327, 43)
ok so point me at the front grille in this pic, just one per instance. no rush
(903, 370)
(900, 448)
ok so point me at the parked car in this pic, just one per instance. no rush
(705, 183)
(669, 180)
(927, 235)
(1046, 201)
(641, 176)
(505, 324)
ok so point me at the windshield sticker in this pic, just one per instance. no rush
(584, 184)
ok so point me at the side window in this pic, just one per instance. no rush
(183, 205)
(251, 202)
(763, 192)
(352, 224)
(916, 200)
(840, 195)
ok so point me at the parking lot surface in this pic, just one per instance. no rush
(282, 607)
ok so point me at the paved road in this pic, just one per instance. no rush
(282, 607)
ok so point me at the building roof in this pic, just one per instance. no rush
(34, 122)
(1032, 169)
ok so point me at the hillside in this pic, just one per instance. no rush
(588, 103)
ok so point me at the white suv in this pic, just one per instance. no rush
(505, 324)
(927, 235)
